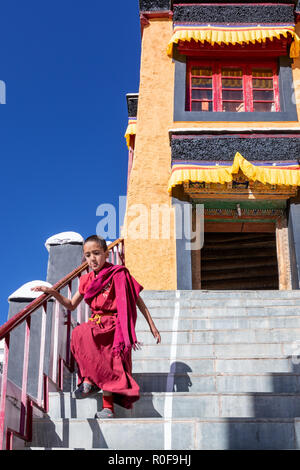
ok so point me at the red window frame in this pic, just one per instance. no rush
(248, 89)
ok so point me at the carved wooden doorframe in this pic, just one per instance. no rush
(283, 254)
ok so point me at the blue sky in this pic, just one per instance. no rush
(67, 66)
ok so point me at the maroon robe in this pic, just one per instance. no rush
(92, 342)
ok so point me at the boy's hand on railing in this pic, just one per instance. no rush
(69, 304)
(45, 289)
(155, 333)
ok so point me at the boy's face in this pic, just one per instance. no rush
(94, 255)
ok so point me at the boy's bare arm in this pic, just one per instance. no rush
(69, 304)
(143, 309)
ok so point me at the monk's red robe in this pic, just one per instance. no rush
(92, 342)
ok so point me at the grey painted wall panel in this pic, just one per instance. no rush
(294, 241)
(183, 256)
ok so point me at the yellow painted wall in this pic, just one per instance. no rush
(153, 261)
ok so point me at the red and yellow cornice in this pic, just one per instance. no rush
(232, 34)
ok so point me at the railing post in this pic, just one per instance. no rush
(25, 376)
(69, 325)
(113, 255)
(54, 344)
(4, 390)
(42, 355)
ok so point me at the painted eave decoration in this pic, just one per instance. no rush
(131, 130)
(220, 34)
(286, 174)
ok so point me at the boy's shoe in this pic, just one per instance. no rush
(85, 390)
(105, 413)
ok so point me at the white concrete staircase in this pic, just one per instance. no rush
(226, 376)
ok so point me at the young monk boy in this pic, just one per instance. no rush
(102, 346)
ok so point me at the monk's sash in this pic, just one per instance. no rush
(127, 290)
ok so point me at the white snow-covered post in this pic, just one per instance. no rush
(65, 254)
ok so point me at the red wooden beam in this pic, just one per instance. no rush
(273, 48)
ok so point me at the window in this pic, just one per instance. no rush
(227, 87)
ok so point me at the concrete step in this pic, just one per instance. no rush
(184, 405)
(249, 336)
(231, 300)
(185, 352)
(219, 323)
(220, 294)
(205, 366)
(184, 380)
(225, 405)
(197, 307)
(165, 434)
(189, 382)
(216, 313)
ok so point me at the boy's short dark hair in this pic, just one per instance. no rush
(95, 238)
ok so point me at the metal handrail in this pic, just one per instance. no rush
(37, 303)
(58, 361)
